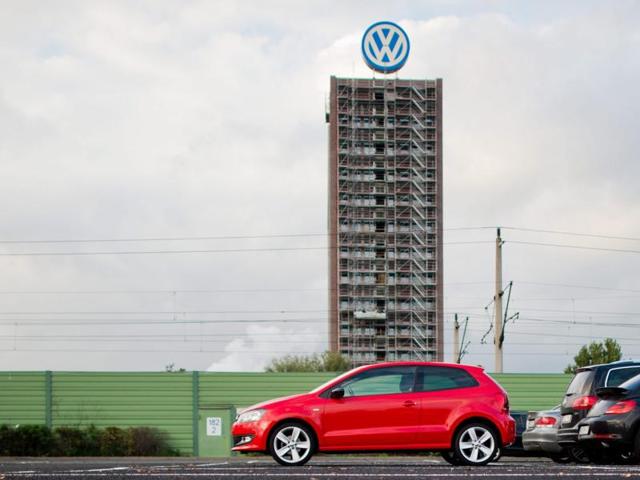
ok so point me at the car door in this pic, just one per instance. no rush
(442, 391)
(379, 411)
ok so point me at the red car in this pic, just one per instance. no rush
(455, 409)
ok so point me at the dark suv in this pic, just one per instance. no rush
(581, 395)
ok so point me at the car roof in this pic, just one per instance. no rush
(415, 363)
(603, 366)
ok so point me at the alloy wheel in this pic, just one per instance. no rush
(291, 445)
(476, 445)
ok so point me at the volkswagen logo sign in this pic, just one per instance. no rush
(385, 47)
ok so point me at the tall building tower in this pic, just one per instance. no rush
(385, 219)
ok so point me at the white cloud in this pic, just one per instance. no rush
(207, 118)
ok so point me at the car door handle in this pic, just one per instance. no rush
(409, 403)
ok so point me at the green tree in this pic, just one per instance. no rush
(596, 352)
(171, 368)
(324, 362)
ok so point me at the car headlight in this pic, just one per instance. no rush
(250, 416)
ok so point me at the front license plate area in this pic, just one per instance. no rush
(567, 418)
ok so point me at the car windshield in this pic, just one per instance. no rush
(581, 383)
(329, 382)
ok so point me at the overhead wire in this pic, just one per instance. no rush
(194, 251)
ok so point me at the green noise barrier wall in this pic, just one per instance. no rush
(171, 401)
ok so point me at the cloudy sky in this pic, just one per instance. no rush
(198, 127)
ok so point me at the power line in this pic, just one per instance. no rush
(163, 252)
(587, 287)
(575, 234)
(101, 322)
(174, 312)
(164, 239)
(208, 351)
(158, 252)
(556, 334)
(194, 237)
(259, 290)
(583, 312)
(578, 247)
(188, 291)
(162, 292)
(285, 235)
(144, 339)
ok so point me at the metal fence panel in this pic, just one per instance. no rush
(244, 389)
(161, 400)
(22, 398)
(530, 391)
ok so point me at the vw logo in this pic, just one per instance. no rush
(385, 47)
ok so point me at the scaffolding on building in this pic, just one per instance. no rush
(386, 264)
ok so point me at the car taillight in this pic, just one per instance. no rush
(624, 406)
(505, 405)
(584, 403)
(545, 421)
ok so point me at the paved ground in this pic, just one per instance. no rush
(321, 467)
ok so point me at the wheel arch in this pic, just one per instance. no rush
(477, 419)
(299, 421)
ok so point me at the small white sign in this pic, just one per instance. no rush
(214, 426)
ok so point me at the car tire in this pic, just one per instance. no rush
(475, 444)
(632, 456)
(292, 444)
(498, 455)
(561, 458)
(579, 455)
(601, 457)
(450, 457)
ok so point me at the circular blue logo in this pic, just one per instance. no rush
(385, 47)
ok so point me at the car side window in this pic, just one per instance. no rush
(380, 381)
(432, 379)
(617, 376)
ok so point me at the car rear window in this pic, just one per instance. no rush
(617, 376)
(633, 384)
(431, 379)
(581, 383)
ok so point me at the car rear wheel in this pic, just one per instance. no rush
(291, 444)
(498, 455)
(560, 458)
(579, 455)
(633, 455)
(476, 444)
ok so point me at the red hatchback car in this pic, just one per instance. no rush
(455, 409)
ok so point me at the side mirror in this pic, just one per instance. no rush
(337, 393)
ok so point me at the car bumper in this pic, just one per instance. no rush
(509, 426)
(250, 436)
(605, 431)
(539, 440)
(568, 437)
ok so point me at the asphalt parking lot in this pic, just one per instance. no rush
(320, 467)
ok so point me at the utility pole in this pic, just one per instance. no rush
(456, 340)
(498, 303)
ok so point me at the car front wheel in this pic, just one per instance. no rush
(291, 444)
(475, 444)
(450, 457)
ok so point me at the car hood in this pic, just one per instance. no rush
(274, 402)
